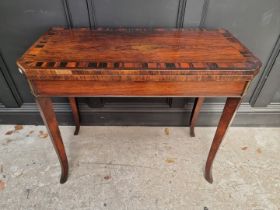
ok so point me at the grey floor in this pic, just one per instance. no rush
(145, 168)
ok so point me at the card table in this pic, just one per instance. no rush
(138, 62)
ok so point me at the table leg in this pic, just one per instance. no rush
(229, 111)
(75, 112)
(195, 112)
(49, 118)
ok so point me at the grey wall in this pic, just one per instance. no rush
(255, 22)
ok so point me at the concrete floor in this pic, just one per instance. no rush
(145, 168)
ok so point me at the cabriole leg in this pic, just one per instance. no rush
(229, 111)
(49, 118)
(195, 112)
(75, 112)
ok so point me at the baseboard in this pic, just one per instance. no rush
(247, 116)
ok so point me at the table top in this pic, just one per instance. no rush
(86, 54)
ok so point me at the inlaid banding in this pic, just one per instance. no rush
(92, 64)
(50, 64)
(102, 65)
(63, 64)
(39, 64)
(149, 66)
(170, 65)
(213, 66)
(191, 65)
(145, 65)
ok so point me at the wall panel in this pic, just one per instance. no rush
(255, 22)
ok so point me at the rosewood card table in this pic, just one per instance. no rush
(138, 62)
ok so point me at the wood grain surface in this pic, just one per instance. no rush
(138, 54)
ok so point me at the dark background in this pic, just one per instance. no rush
(256, 23)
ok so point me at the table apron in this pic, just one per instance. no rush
(133, 88)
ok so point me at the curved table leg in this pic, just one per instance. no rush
(230, 109)
(49, 118)
(75, 112)
(195, 112)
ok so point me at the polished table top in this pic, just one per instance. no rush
(138, 54)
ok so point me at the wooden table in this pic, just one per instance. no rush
(141, 62)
